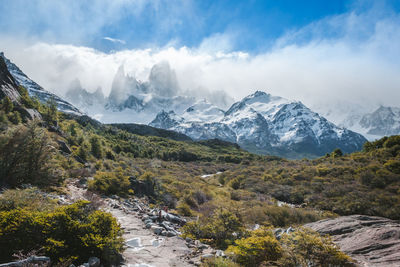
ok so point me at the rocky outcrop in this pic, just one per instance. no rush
(33, 88)
(8, 85)
(372, 241)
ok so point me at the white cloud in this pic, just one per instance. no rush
(114, 40)
(352, 57)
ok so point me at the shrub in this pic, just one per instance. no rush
(219, 262)
(337, 153)
(32, 199)
(25, 156)
(217, 230)
(393, 166)
(7, 105)
(184, 209)
(97, 149)
(74, 232)
(110, 183)
(50, 114)
(260, 247)
(305, 246)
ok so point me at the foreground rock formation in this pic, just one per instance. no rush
(372, 241)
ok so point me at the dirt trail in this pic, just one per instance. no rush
(144, 248)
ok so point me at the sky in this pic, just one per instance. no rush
(319, 52)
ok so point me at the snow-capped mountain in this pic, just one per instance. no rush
(264, 124)
(382, 122)
(372, 121)
(36, 90)
(131, 100)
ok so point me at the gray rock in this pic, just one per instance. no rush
(207, 256)
(170, 234)
(64, 147)
(147, 221)
(219, 253)
(94, 262)
(203, 246)
(157, 229)
(373, 241)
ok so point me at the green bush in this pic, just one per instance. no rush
(301, 248)
(74, 232)
(31, 198)
(97, 149)
(25, 157)
(110, 183)
(217, 230)
(260, 247)
(305, 246)
(219, 262)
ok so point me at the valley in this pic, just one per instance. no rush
(188, 189)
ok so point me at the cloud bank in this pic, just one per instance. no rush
(352, 58)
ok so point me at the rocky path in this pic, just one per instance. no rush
(144, 248)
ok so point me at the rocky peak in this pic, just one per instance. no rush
(163, 81)
(166, 120)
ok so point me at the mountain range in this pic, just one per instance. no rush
(260, 122)
(263, 124)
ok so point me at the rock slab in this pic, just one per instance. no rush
(372, 241)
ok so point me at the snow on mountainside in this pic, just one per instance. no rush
(371, 121)
(263, 123)
(382, 122)
(36, 90)
(131, 100)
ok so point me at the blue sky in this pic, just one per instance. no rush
(252, 25)
(321, 52)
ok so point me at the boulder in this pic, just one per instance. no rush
(207, 256)
(157, 229)
(171, 233)
(372, 241)
(94, 262)
(64, 147)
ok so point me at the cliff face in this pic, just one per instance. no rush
(8, 85)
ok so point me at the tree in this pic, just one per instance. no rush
(25, 153)
(7, 105)
(337, 153)
(97, 149)
(83, 151)
(50, 114)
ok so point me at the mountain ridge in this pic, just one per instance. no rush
(263, 123)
